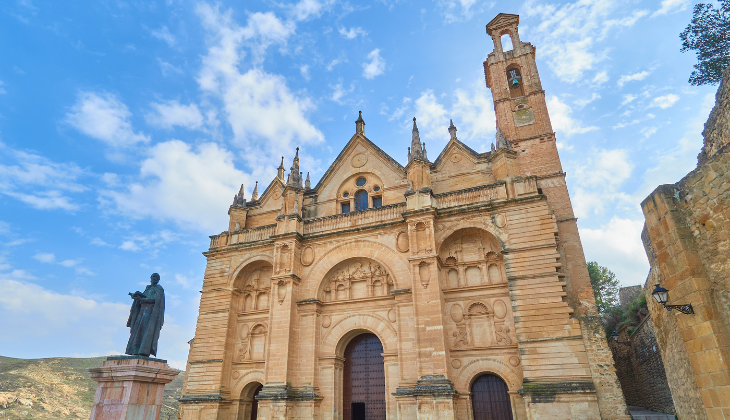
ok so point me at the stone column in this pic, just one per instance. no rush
(130, 388)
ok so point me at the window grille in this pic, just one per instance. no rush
(345, 208)
(377, 202)
(361, 200)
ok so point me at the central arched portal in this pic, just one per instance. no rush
(490, 398)
(364, 379)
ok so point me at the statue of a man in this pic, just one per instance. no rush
(146, 318)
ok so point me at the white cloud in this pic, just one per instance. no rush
(648, 131)
(338, 92)
(617, 245)
(665, 101)
(456, 10)
(563, 122)
(583, 102)
(103, 117)
(598, 180)
(353, 32)
(99, 242)
(2, 89)
(473, 114)
(70, 263)
(45, 257)
(304, 70)
(37, 181)
(600, 78)
(304, 9)
(172, 113)
(633, 77)
(375, 67)
(167, 68)
(672, 6)
(334, 62)
(628, 98)
(569, 34)
(189, 187)
(185, 282)
(165, 35)
(431, 117)
(265, 116)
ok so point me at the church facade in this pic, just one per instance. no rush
(453, 288)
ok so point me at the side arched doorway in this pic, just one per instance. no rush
(364, 379)
(490, 398)
(249, 405)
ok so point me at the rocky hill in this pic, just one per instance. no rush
(59, 389)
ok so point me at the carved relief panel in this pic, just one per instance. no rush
(255, 290)
(420, 234)
(471, 257)
(356, 279)
(484, 323)
(252, 346)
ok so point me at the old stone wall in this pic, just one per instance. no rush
(687, 241)
(647, 362)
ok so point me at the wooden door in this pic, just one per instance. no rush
(364, 379)
(490, 399)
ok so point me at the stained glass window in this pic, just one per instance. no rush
(377, 202)
(345, 208)
(361, 200)
(360, 182)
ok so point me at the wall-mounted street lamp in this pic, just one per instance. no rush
(662, 296)
(615, 338)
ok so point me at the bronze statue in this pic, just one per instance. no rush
(146, 318)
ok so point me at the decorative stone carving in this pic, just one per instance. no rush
(307, 256)
(424, 273)
(356, 279)
(457, 313)
(471, 257)
(392, 315)
(514, 361)
(244, 331)
(455, 157)
(499, 219)
(281, 291)
(359, 160)
(502, 334)
(284, 259)
(456, 363)
(326, 321)
(255, 290)
(253, 342)
(235, 374)
(401, 242)
(500, 309)
(460, 338)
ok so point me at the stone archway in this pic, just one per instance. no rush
(248, 405)
(490, 398)
(363, 381)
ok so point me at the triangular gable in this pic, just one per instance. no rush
(501, 21)
(454, 145)
(348, 150)
(272, 193)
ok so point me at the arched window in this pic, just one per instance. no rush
(515, 82)
(361, 200)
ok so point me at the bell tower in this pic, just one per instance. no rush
(523, 121)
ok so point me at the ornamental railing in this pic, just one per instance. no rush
(354, 219)
(242, 236)
(473, 195)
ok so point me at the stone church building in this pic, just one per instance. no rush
(452, 288)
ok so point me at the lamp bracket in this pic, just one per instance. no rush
(685, 309)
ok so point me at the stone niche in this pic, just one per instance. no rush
(356, 278)
(471, 257)
(254, 286)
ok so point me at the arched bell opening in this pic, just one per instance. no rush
(490, 398)
(248, 405)
(363, 379)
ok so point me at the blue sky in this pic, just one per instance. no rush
(126, 127)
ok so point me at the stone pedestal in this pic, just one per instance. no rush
(130, 388)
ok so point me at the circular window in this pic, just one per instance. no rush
(346, 194)
(376, 188)
(360, 182)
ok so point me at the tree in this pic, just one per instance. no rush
(709, 35)
(605, 286)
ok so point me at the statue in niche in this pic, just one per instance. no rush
(146, 318)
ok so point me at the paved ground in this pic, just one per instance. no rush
(641, 413)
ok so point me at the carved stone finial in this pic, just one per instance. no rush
(281, 170)
(360, 124)
(255, 195)
(238, 199)
(295, 177)
(416, 150)
(502, 143)
(452, 130)
(307, 183)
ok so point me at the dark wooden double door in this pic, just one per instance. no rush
(490, 398)
(364, 379)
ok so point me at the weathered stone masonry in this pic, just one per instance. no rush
(464, 266)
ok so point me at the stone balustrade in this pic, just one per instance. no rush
(354, 219)
(242, 236)
(473, 195)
